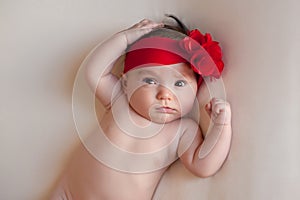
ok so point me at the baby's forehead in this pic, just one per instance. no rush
(177, 70)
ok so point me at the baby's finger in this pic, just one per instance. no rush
(217, 100)
(140, 23)
(214, 116)
(208, 105)
(153, 25)
(208, 108)
(219, 107)
(158, 25)
(143, 22)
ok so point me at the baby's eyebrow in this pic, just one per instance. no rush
(176, 74)
(146, 72)
(181, 75)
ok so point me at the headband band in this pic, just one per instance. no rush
(203, 54)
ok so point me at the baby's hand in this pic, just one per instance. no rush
(219, 111)
(139, 29)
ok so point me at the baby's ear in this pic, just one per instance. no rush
(124, 83)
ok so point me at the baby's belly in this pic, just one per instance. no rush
(89, 179)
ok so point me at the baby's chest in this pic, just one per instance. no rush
(143, 155)
(146, 156)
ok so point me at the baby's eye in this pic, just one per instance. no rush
(180, 83)
(149, 81)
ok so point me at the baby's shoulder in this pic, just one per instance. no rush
(188, 122)
(185, 125)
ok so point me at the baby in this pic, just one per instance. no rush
(145, 126)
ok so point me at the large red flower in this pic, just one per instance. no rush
(204, 54)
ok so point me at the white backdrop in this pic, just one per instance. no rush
(43, 42)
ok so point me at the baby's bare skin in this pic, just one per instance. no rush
(144, 130)
(88, 178)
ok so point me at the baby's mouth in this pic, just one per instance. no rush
(166, 109)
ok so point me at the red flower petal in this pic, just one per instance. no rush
(197, 35)
(205, 55)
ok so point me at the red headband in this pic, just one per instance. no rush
(204, 54)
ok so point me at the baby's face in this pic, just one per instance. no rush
(161, 94)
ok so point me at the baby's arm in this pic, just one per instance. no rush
(101, 60)
(205, 157)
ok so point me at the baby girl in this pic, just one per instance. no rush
(145, 126)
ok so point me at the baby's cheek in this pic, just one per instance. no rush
(186, 104)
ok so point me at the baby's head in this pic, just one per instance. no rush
(161, 76)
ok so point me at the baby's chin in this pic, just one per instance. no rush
(164, 119)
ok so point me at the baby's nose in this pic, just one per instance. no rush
(164, 93)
